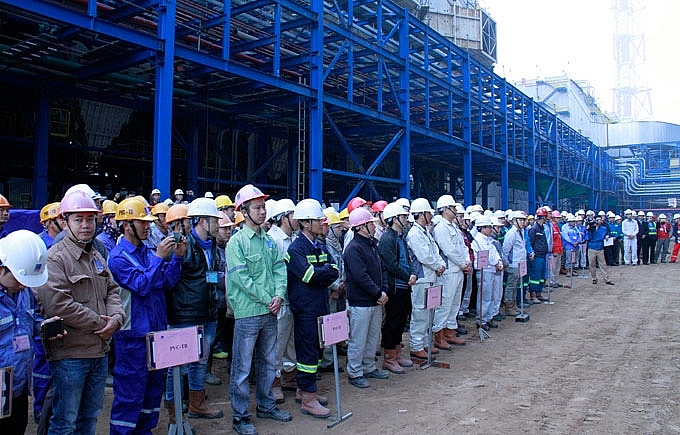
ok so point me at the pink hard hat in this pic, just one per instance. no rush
(248, 193)
(556, 214)
(77, 201)
(360, 216)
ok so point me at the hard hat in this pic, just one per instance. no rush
(133, 209)
(344, 214)
(496, 222)
(483, 221)
(547, 208)
(3, 202)
(308, 208)
(676, 216)
(209, 195)
(650, 214)
(610, 214)
(238, 218)
(159, 208)
(641, 213)
(488, 213)
(176, 212)
(355, 203)
(478, 208)
(379, 206)
(617, 217)
(282, 206)
(203, 207)
(581, 212)
(460, 209)
(508, 212)
(555, 214)
(445, 201)
(662, 216)
(155, 192)
(531, 217)
(248, 193)
(474, 216)
(393, 209)
(50, 211)
(519, 214)
(564, 214)
(179, 192)
(499, 214)
(403, 202)
(421, 205)
(590, 213)
(572, 218)
(541, 212)
(601, 213)
(269, 208)
(332, 215)
(25, 255)
(169, 202)
(360, 216)
(82, 188)
(77, 201)
(223, 201)
(109, 207)
(628, 211)
(224, 220)
(468, 209)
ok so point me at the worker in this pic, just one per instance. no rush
(555, 259)
(52, 222)
(641, 236)
(110, 232)
(538, 240)
(630, 229)
(177, 220)
(513, 253)
(650, 241)
(663, 232)
(4, 215)
(483, 242)
(224, 203)
(675, 233)
(598, 234)
(179, 197)
(159, 227)
(155, 197)
(380, 225)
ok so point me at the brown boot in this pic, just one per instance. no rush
(319, 398)
(171, 413)
(451, 338)
(511, 308)
(390, 362)
(289, 380)
(435, 351)
(199, 408)
(311, 406)
(404, 362)
(277, 392)
(420, 354)
(533, 299)
(440, 341)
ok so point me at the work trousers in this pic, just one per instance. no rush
(630, 251)
(364, 324)
(285, 341)
(661, 250)
(537, 274)
(420, 317)
(397, 309)
(554, 265)
(445, 314)
(486, 282)
(648, 248)
(596, 260)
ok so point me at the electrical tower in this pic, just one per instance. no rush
(632, 95)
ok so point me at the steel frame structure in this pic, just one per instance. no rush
(393, 108)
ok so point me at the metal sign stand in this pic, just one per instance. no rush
(549, 302)
(340, 418)
(480, 292)
(334, 329)
(179, 427)
(522, 316)
(430, 308)
(582, 253)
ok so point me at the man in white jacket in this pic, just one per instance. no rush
(429, 266)
(630, 229)
(483, 242)
(455, 254)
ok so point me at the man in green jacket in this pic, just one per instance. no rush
(256, 279)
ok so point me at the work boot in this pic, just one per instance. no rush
(199, 408)
(434, 351)
(451, 337)
(171, 413)
(391, 363)
(511, 309)
(311, 406)
(440, 341)
(289, 380)
(533, 299)
(321, 399)
(420, 354)
(404, 362)
(210, 378)
(277, 392)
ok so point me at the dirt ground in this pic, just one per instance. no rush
(602, 359)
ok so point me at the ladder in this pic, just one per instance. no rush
(302, 145)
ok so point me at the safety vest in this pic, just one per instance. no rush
(652, 228)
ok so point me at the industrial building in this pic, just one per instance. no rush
(304, 98)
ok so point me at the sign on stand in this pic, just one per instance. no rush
(334, 329)
(6, 379)
(433, 299)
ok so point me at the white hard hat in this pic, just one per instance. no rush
(445, 201)
(662, 216)
(155, 192)
(641, 213)
(83, 188)
(564, 213)
(203, 207)
(285, 205)
(590, 213)
(496, 222)
(475, 215)
(499, 214)
(581, 212)
(650, 214)
(25, 255)
(572, 218)
(478, 208)
(519, 214)
(508, 212)
(628, 211)
(269, 208)
(421, 205)
(393, 209)
(676, 216)
(610, 214)
(617, 218)
(547, 208)
(483, 221)
(601, 213)
(403, 202)
(308, 208)
(488, 213)
(179, 192)
(209, 195)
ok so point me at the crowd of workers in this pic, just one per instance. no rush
(256, 273)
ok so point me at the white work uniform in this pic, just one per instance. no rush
(455, 253)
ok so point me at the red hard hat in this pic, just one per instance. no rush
(541, 212)
(355, 203)
(379, 206)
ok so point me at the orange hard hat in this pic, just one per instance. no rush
(176, 212)
(4, 202)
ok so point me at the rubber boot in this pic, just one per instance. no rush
(171, 413)
(440, 341)
(451, 338)
(277, 391)
(390, 362)
(319, 398)
(404, 362)
(533, 299)
(311, 406)
(289, 380)
(199, 408)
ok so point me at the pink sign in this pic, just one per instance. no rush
(482, 259)
(334, 328)
(433, 297)
(173, 347)
(522, 268)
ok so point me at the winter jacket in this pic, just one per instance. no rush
(538, 240)
(396, 258)
(365, 274)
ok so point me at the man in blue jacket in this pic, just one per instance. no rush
(597, 235)
(144, 277)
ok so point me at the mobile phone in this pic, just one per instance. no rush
(177, 236)
(50, 329)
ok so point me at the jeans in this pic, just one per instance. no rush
(195, 370)
(78, 394)
(254, 341)
(364, 324)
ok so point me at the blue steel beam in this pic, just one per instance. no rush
(316, 113)
(404, 102)
(129, 10)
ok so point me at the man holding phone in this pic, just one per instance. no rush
(144, 277)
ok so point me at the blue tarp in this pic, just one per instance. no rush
(20, 219)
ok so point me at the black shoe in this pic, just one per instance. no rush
(244, 427)
(275, 414)
(499, 317)
(342, 350)
(484, 326)
(594, 281)
(461, 318)
(471, 314)
(461, 331)
(491, 324)
(331, 369)
(610, 282)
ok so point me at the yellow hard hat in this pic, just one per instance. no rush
(344, 214)
(223, 201)
(159, 208)
(50, 211)
(238, 218)
(332, 216)
(531, 217)
(133, 208)
(109, 207)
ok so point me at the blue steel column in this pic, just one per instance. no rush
(405, 107)
(505, 167)
(194, 138)
(467, 135)
(316, 106)
(553, 138)
(41, 150)
(162, 133)
(532, 149)
(594, 170)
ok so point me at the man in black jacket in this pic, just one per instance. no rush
(194, 300)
